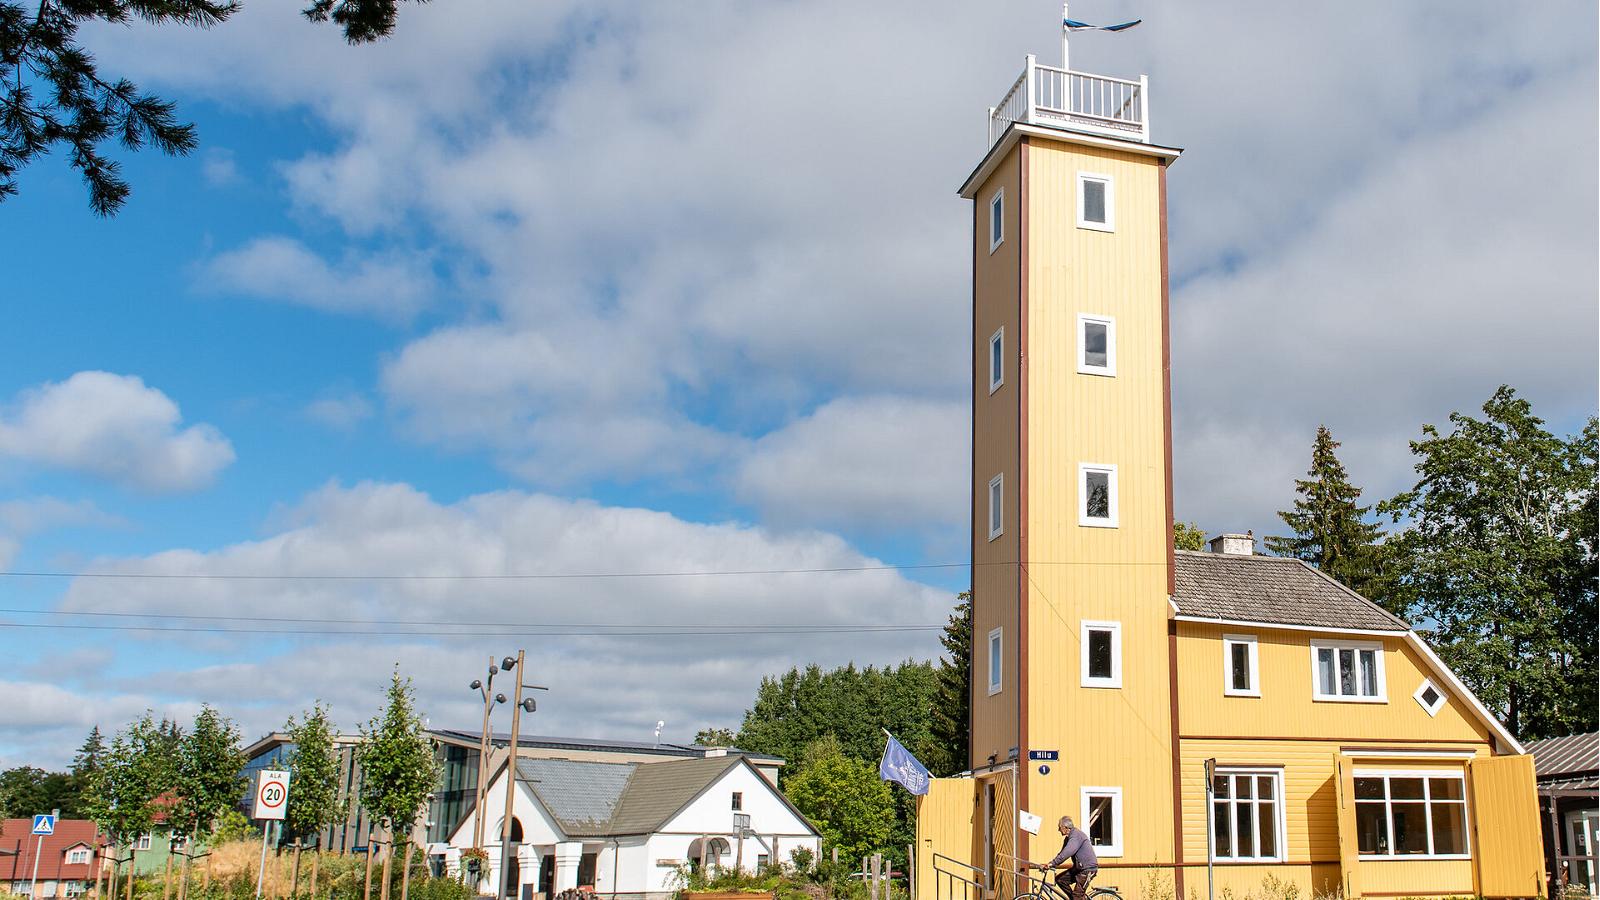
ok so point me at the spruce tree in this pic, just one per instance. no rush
(1331, 530)
(952, 701)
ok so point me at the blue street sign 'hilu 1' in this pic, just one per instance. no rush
(45, 824)
(1051, 755)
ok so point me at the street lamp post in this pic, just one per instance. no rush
(485, 744)
(521, 705)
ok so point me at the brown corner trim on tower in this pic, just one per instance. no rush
(1166, 378)
(1022, 474)
(1177, 761)
(972, 504)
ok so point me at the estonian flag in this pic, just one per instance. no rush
(900, 766)
(1075, 25)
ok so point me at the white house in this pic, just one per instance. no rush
(623, 828)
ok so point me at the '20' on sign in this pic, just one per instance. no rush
(272, 794)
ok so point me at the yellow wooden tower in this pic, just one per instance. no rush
(1072, 470)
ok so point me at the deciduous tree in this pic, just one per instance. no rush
(1188, 536)
(1499, 564)
(139, 768)
(398, 769)
(208, 780)
(844, 797)
(314, 770)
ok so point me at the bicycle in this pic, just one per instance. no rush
(1049, 890)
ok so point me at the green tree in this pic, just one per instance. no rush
(1499, 561)
(1188, 536)
(138, 769)
(1331, 530)
(844, 798)
(714, 737)
(208, 779)
(53, 96)
(88, 760)
(27, 791)
(314, 771)
(398, 770)
(952, 701)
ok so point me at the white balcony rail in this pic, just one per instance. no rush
(1076, 101)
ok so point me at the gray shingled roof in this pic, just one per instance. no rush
(596, 799)
(1572, 755)
(1271, 589)
(581, 796)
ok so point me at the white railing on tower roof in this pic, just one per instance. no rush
(1074, 101)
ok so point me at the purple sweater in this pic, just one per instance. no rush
(1077, 847)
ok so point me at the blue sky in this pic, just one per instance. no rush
(594, 287)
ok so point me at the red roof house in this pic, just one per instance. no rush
(66, 856)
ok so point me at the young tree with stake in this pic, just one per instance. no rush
(398, 770)
(208, 781)
(314, 803)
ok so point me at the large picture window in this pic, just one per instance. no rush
(1347, 670)
(1247, 814)
(1411, 814)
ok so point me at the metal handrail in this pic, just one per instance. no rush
(956, 862)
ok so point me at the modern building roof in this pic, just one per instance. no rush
(607, 799)
(1272, 590)
(502, 738)
(1567, 763)
(18, 846)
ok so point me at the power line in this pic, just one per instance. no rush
(534, 631)
(550, 576)
(665, 627)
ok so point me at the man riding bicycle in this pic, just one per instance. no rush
(1076, 860)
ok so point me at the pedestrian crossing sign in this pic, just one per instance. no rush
(44, 824)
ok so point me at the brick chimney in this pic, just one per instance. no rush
(1234, 544)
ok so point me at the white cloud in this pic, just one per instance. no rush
(113, 427)
(886, 462)
(600, 685)
(283, 269)
(341, 410)
(218, 167)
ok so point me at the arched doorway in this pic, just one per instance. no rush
(712, 851)
(513, 867)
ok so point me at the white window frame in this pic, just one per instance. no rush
(1110, 224)
(1427, 804)
(997, 667)
(1438, 691)
(997, 373)
(1248, 641)
(1279, 802)
(997, 506)
(1109, 370)
(997, 224)
(74, 854)
(1316, 682)
(1084, 678)
(1083, 495)
(143, 843)
(1115, 793)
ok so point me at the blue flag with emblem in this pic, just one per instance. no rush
(901, 767)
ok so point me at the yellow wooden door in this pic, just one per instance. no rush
(945, 819)
(1349, 847)
(1505, 827)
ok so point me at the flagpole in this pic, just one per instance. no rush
(1065, 59)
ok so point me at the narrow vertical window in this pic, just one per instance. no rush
(1096, 202)
(738, 800)
(1097, 495)
(994, 661)
(1239, 666)
(997, 219)
(1100, 651)
(997, 360)
(1097, 345)
(997, 500)
(1100, 817)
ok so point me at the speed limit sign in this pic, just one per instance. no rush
(272, 794)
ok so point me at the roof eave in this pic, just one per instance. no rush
(1016, 130)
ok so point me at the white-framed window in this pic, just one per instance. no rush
(1097, 495)
(144, 842)
(738, 800)
(997, 219)
(1430, 696)
(1241, 672)
(1350, 671)
(76, 889)
(1247, 814)
(997, 506)
(1100, 654)
(1097, 345)
(995, 660)
(1100, 817)
(1096, 202)
(77, 856)
(1411, 815)
(997, 360)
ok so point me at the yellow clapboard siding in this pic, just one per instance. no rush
(1509, 854)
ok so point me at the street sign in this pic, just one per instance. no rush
(45, 824)
(1048, 755)
(272, 794)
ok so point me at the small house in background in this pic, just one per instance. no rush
(1567, 772)
(626, 828)
(66, 858)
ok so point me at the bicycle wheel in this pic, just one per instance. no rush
(1038, 896)
(1105, 893)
